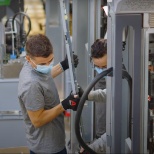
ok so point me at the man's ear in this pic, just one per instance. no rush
(28, 58)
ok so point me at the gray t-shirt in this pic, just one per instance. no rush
(37, 91)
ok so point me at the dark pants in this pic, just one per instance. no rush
(61, 152)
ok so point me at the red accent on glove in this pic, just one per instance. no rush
(73, 103)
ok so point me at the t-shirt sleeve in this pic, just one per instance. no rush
(33, 98)
(98, 95)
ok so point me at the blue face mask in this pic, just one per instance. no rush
(99, 70)
(44, 68)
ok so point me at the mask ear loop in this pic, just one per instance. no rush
(32, 62)
(52, 62)
(27, 59)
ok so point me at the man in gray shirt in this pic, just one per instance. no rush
(39, 100)
(99, 58)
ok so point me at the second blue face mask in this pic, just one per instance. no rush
(99, 70)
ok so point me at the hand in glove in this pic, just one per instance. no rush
(65, 65)
(80, 91)
(70, 102)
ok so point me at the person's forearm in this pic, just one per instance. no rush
(56, 70)
(97, 95)
(47, 116)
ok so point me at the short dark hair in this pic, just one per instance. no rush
(99, 48)
(39, 46)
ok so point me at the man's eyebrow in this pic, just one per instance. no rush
(100, 66)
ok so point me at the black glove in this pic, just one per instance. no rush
(65, 65)
(70, 103)
(80, 93)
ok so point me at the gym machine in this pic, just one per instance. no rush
(12, 58)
